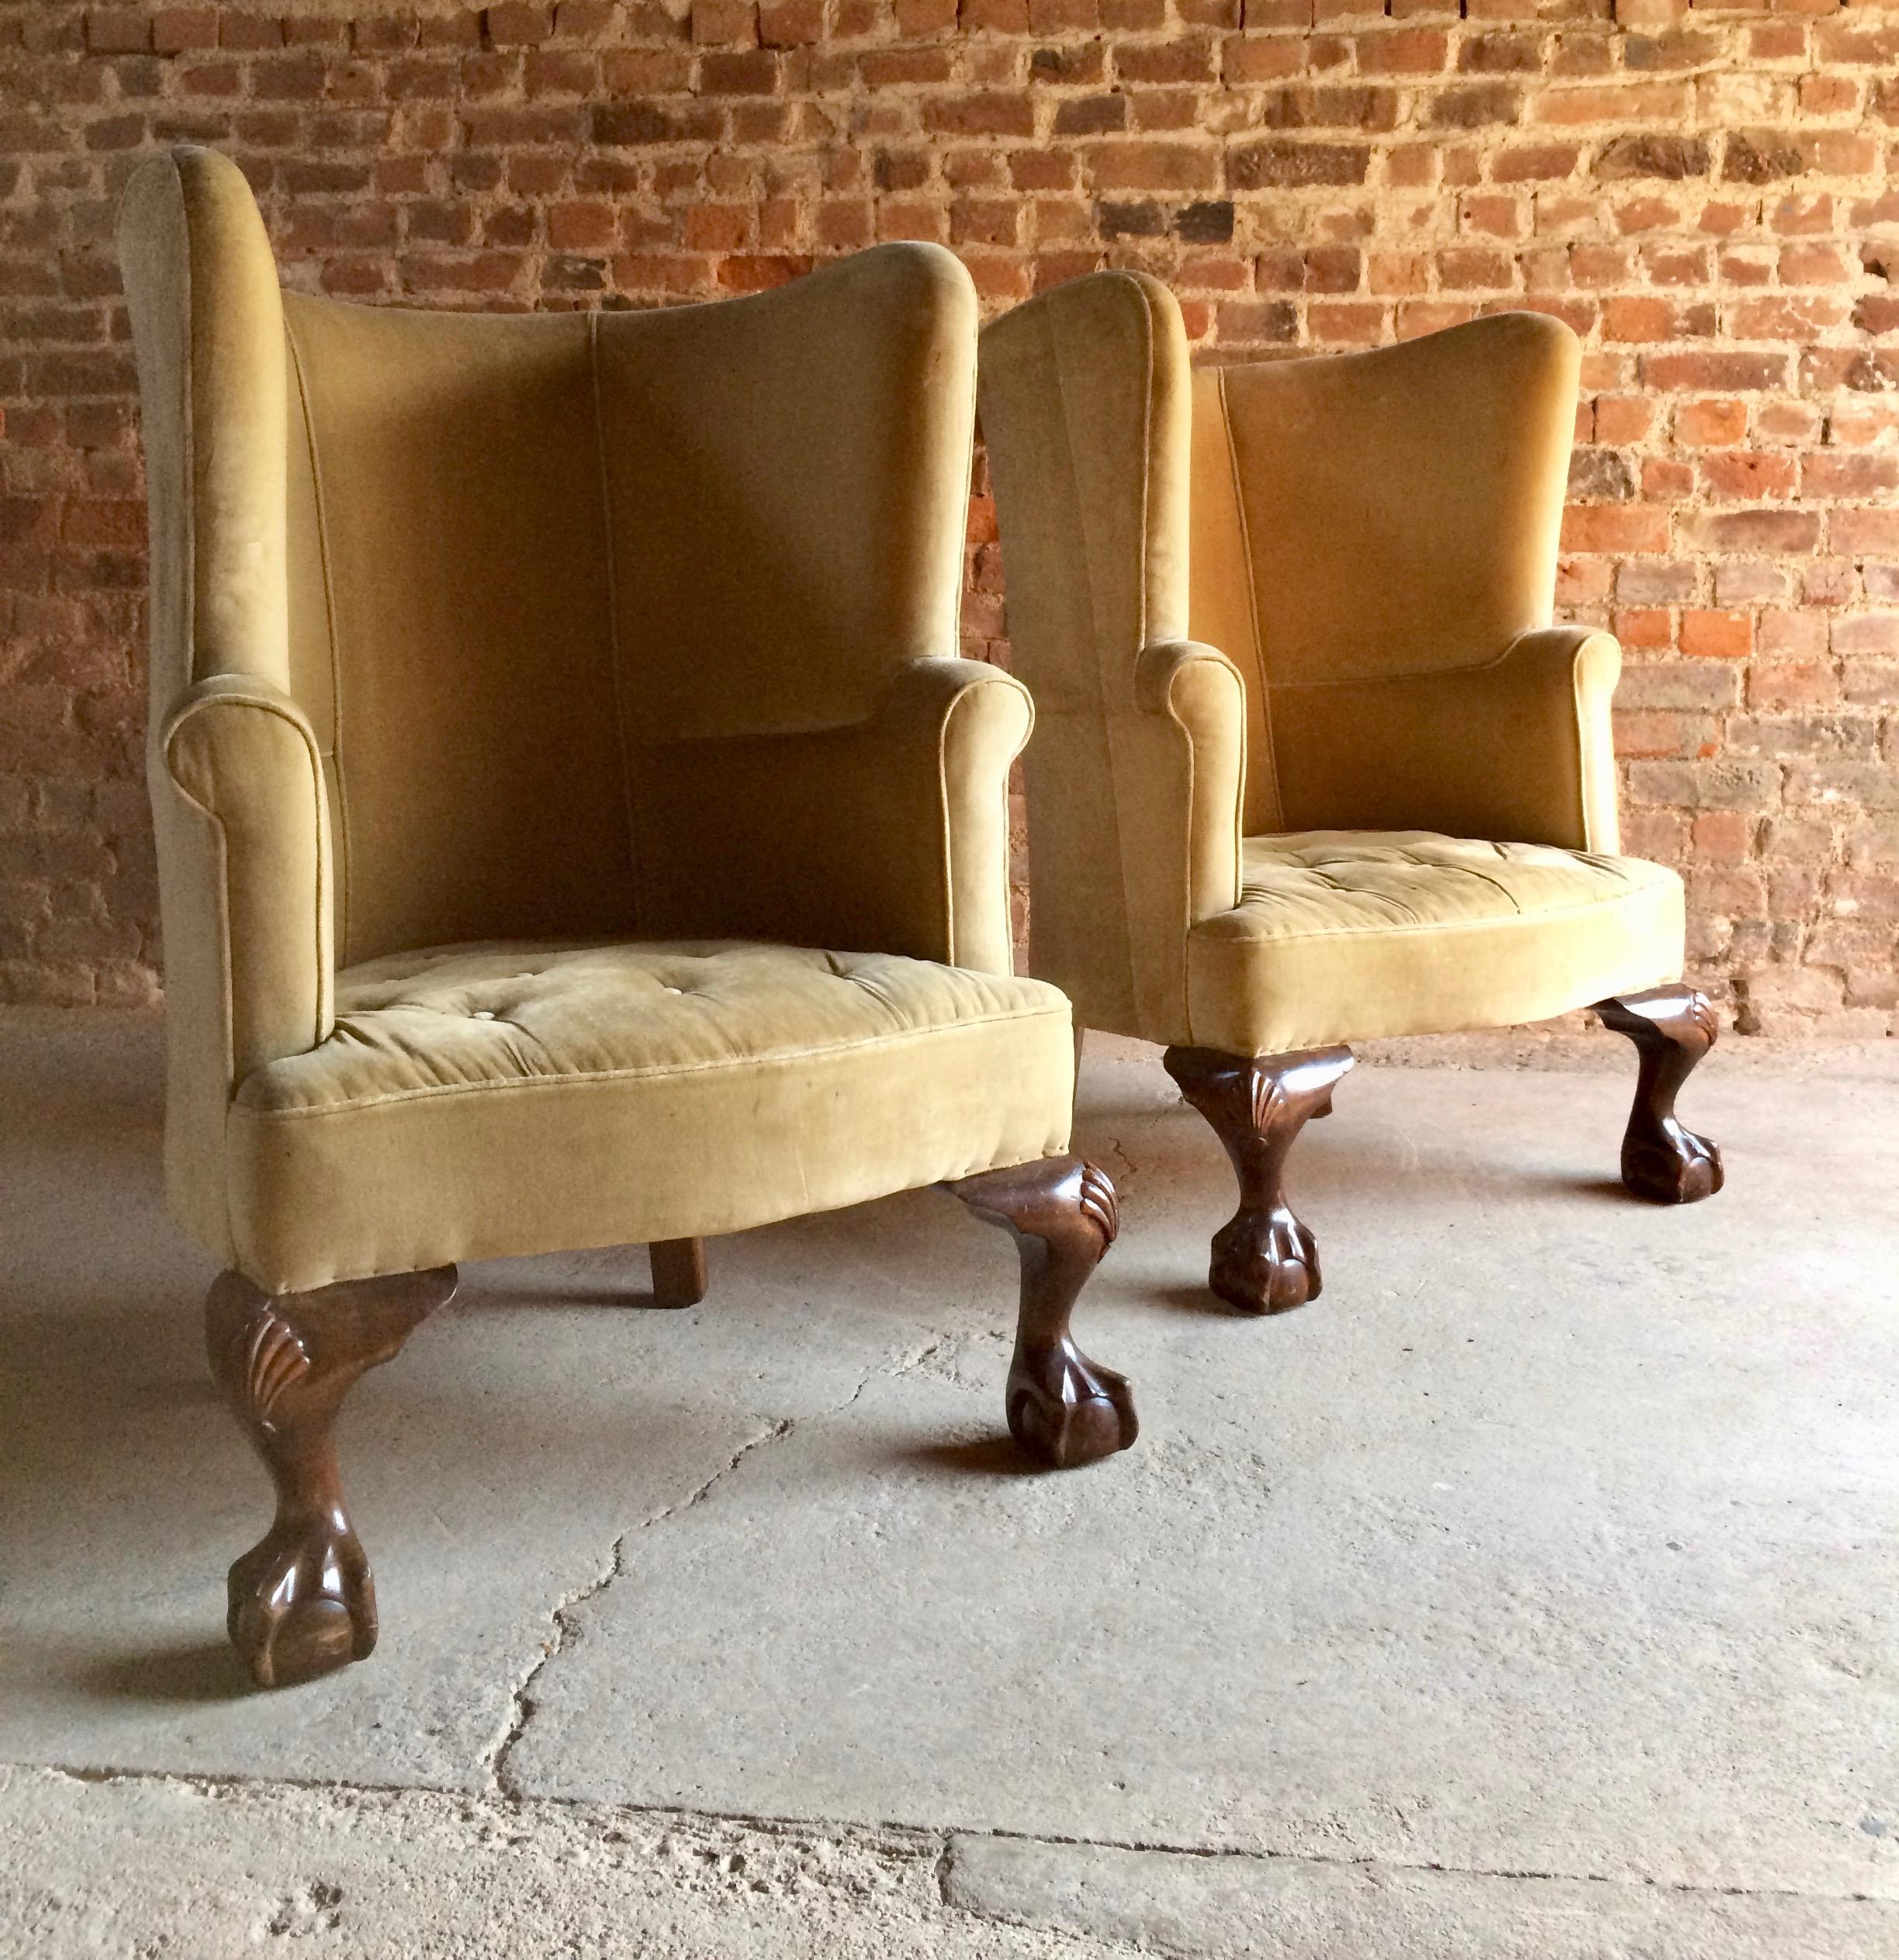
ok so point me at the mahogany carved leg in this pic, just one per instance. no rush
(1264, 1260)
(1062, 1406)
(1672, 1028)
(679, 1271)
(303, 1601)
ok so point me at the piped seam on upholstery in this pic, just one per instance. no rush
(1150, 345)
(1408, 673)
(187, 432)
(969, 479)
(179, 716)
(188, 581)
(1542, 916)
(226, 966)
(949, 844)
(1583, 747)
(1316, 1034)
(613, 617)
(1587, 633)
(1252, 593)
(949, 835)
(1588, 741)
(344, 853)
(567, 1077)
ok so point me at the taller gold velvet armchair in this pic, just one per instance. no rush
(1313, 765)
(572, 827)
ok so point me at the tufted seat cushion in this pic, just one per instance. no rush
(521, 1097)
(1356, 934)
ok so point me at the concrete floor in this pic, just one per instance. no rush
(1531, 1594)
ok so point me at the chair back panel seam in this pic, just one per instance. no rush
(340, 799)
(615, 675)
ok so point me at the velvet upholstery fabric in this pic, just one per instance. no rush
(1349, 935)
(1300, 596)
(610, 631)
(524, 1097)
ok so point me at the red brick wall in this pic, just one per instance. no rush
(1708, 195)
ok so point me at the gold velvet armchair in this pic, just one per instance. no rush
(572, 829)
(1311, 765)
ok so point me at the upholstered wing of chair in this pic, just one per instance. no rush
(573, 829)
(1312, 764)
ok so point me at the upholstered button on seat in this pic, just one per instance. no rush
(798, 1076)
(1353, 934)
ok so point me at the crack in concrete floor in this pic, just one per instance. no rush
(939, 1842)
(497, 1757)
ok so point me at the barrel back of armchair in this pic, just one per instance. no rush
(527, 553)
(511, 566)
(1085, 400)
(1363, 515)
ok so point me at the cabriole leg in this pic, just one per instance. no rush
(1264, 1260)
(1062, 1406)
(1672, 1028)
(303, 1601)
(679, 1271)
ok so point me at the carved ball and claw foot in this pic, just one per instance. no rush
(1672, 1028)
(1063, 1407)
(303, 1601)
(1264, 1260)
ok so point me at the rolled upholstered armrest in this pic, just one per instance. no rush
(889, 835)
(241, 815)
(1519, 750)
(1196, 698)
(950, 729)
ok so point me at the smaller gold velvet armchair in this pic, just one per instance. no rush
(1311, 765)
(573, 829)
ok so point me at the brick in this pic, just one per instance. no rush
(1667, 156)
(1144, 165)
(117, 30)
(1753, 531)
(1483, 106)
(981, 114)
(1851, 473)
(1743, 476)
(725, 23)
(749, 71)
(1614, 527)
(175, 30)
(1407, 50)
(1717, 636)
(791, 24)
(1864, 531)
(515, 24)
(1711, 423)
(1285, 164)
(1716, 369)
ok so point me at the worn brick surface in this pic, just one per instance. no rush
(1706, 194)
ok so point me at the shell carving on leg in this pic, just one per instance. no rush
(1063, 1215)
(1263, 1260)
(1672, 1028)
(275, 1361)
(301, 1600)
